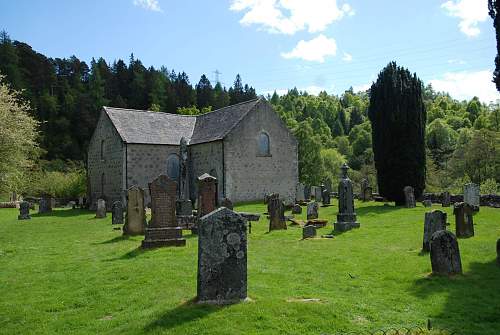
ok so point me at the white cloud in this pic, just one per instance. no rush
(457, 62)
(470, 13)
(362, 88)
(465, 85)
(347, 57)
(290, 16)
(149, 5)
(314, 50)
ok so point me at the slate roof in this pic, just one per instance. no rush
(145, 127)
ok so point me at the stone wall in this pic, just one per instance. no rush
(145, 162)
(109, 163)
(249, 176)
(206, 158)
(485, 199)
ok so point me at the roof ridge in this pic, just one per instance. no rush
(230, 106)
(147, 111)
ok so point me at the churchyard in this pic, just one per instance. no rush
(68, 272)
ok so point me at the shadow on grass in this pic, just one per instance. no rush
(114, 240)
(129, 255)
(382, 209)
(63, 212)
(473, 300)
(187, 312)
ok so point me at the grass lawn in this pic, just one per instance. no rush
(68, 273)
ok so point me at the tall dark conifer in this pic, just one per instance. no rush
(398, 118)
(494, 11)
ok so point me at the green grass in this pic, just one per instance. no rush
(68, 273)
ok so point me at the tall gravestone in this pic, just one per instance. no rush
(45, 205)
(184, 205)
(366, 191)
(222, 258)
(207, 194)
(445, 199)
(346, 217)
(117, 213)
(445, 255)
(24, 211)
(318, 193)
(299, 193)
(163, 230)
(434, 221)
(307, 192)
(325, 196)
(464, 222)
(312, 210)
(409, 197)
(472, 195)
(135, 221)
(100, 212)
(276, 212)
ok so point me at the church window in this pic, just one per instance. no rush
(173, 167)
(102, 150)
(264, 147)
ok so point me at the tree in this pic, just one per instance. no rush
(398, 118)
(310, 167)
(204, 93)
(236, 93)
(18, 139)
(494, 10)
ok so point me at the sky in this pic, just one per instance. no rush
(274, 45)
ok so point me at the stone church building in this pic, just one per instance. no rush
(247, 147)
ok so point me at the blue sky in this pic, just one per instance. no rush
(273, 44)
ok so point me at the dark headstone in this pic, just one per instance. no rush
(464, 222)
(45, 205)
(427, 203)
(434, 221)
(318, 193)
(409, 197)
(445, 255)
(307, 192)
(222, 258)
(308, 231)
(24, 211)
(346, 217)
(135, 222)
(100, 212)
(299, 193)
(312, 210)
(117, 213)
(445, 199)
(276, 210)
(297, 209)
(207, 194)
(325, 196)
(163, 230)
(366, 190)
(227, 203)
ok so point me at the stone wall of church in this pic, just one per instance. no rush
(105, 163)
(145, 162)
(249, 175)
(206, 158)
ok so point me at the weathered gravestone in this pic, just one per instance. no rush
(276, 210)
(297, 209)
(471, 195)
(434, 221)
(409, 197)
(207, 194)
(227, 203)
(163, 230)
(100, 212)
(464, 222)
(346, 217)
(45, 205)
(328, 185)
(117, 213)
(312, 210)
(184, 205)
(24, 211)
(135, 222)
(325, 196)
(445, 255)
(308, 231)
(299, 193)
(307, 192)
(427, 203)
(366, 190)
(222, 258)
(445, 199)
(318, 193)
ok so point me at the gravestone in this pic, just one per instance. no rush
(325, 197)
(135, 221)
(276, 210)
(427, 203)
(346, 217)
(464, 222)
(312, 210)
(117, 213)
(45, 206)
(207, 194)
(434, 221)
(299, 193)
(163, 230)
(222, 258)
(471, 195)
(227, 203)
(318, 193)
(328, 185)
(409, 197)
(297, 209)
(308, 231)
(53, 203)
(365, 190)
(445, 255)
(184, 205)
(445, 199)
(24, 211)
(307, 192)
(100, 212)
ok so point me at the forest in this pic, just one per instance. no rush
(65, 97)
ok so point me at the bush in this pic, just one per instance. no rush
(489, 186)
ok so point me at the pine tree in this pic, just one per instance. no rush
(494, 10)
(204, 93)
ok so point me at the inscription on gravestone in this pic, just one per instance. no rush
(464, 222)
(135, 222)
(117, 213)
(471, 195)
(409, 197)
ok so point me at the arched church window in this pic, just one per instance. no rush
(102, 150)
(173, 167)
(264, 146)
